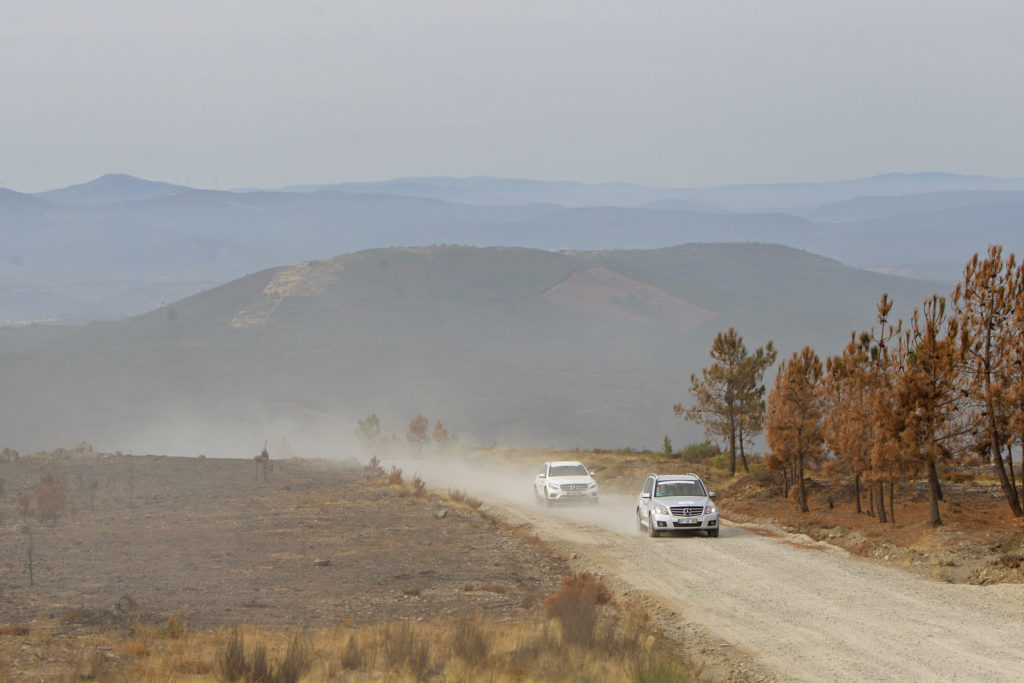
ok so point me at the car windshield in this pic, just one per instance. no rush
(666, 489)
(567, 471)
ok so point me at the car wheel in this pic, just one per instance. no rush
(639, 522)
(713, 533)
(651, 529)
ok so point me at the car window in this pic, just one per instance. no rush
(567, 471)
(679, 488)
(648, 485)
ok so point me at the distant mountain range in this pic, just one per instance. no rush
(506, 345)
(121, 245)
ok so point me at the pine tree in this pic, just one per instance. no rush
(794, 417)
(985, 303)
(729, 393)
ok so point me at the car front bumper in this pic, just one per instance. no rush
(570, 496)
(688, 523)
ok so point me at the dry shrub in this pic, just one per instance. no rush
(190, 666)
(419, 487)
(575, 606)
(404, 650)
(457, 496)
(298, 659)
(395, 477)
(92, 665)
(258, 670)
(353, 657)
(50, 495)
(232, 663)
(470, 641)
(375, 467)
(12, 630)
(651, 667)
(24, 504)
(136, 648)
(176, 626)
(959, 477)
(1011, 560)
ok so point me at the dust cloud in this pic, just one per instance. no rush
(510, 485)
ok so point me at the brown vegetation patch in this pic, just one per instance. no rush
(609, 295)
(978, 531)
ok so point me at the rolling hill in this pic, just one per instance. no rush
(506, 345)
(119, 245)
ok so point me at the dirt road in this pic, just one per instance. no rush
(803, 610)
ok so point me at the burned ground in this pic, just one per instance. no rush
(217, 541)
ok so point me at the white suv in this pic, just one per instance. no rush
(676, 502)
(564, 481)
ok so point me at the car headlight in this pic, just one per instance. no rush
(553, 487)
(710, 509)
(592, 485)
(661, 509)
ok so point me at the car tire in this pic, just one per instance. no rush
(639, 522)
(651, 529)
(713, 533)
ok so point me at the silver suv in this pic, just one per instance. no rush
(676, 502)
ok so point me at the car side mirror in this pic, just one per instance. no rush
(711, 494)
(645, 495)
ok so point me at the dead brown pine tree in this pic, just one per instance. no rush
(793, 421)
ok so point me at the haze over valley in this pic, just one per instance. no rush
(120, 245)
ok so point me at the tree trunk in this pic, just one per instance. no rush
(732, 443)
(785, 482)
(997, 447)
(880, 492)
(1004, 482)
(1013, 477)
(856, 491)
(892, 498)
(743, 456)
(935, 493)
(803, 491)
(871, 501)
(1021, 469)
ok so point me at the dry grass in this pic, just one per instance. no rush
(462, 498)
(419, 487)
(471, 646)
(575, 606)
(395, 476)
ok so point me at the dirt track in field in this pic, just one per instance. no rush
(802, 610)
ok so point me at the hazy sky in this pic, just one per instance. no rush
(217, 93)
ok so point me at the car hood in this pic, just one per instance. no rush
(681, 500)
(575, 479)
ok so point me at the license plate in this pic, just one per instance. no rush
(687, 520)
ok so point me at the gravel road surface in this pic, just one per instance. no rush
(804, 610)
